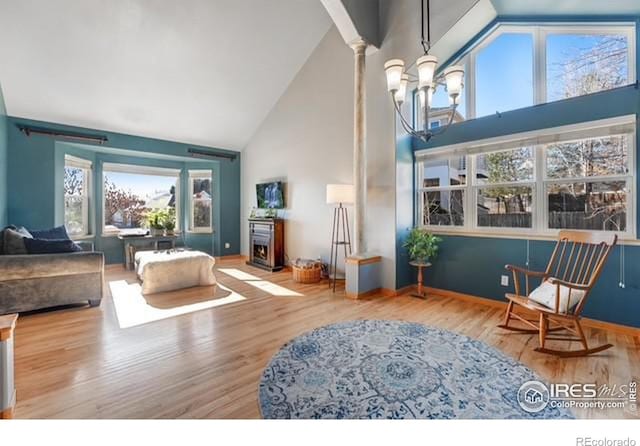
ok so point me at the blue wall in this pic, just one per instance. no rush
(36, 169)
(473, 265)
(3, 161)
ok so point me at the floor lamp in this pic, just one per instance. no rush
(339, 194)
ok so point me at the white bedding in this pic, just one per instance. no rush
(173, 270)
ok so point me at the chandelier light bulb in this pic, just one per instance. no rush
(426, 70)
(453, 76)
(394, 70)
(401, 92)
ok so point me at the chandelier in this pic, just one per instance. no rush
(399, 79)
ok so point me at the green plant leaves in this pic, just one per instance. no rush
(421, 245)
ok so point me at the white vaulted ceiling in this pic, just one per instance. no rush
(198, 71)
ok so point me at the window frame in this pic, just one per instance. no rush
(475, 187)
(540, 31)
(87, 167)
(420, 198)
(140, 170)
(194, 174)
(539, 199)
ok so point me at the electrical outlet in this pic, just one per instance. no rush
(227, 245)
(504, 280)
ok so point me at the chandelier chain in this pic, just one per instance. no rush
(426, 44)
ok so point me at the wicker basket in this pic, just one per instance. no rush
(307, 275)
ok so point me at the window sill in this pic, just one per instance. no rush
(208, 231)
(82, 237)
(626, 240)
(116, 234)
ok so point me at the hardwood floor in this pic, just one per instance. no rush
(207, 361)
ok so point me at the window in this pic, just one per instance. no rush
(504, 184)
(574, 177)
(130, 192)
(504, 74)
(584, 63)
(201, 210)
(442, 191)
(516, 66)
(77, 190)
(587, 183)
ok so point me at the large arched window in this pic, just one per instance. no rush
(516, 66)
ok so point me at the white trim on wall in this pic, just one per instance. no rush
(193, 175)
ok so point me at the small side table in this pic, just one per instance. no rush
(420, 267)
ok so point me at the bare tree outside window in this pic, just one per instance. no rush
(507, 204)
(75, 201)
(584, 64)
(201, 202)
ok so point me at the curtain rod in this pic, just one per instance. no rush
(28, 130)
(206, 154)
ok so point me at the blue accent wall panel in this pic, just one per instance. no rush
(31, 202)
(4, 141)
(37, 174)
(473, 265)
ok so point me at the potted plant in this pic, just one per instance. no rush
(169, 220)
(421, 245)
(155, 223)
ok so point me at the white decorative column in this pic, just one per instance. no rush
(359, 147)
(362, 269)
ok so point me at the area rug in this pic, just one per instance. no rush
(393, 369)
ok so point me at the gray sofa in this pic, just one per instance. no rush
(35, 281)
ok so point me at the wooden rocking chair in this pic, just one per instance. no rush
(573, 270)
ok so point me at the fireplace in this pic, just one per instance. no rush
(266, 243)
(261, 252)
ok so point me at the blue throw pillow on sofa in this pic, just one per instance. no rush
(44, 246)
(57, 233)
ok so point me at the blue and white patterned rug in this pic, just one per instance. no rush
(393, 369)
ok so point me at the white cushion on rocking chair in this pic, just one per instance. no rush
(545, 295)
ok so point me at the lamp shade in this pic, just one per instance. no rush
(393, 69)
(401, 93)
(340, 193)
(453, 77)
(426, 69)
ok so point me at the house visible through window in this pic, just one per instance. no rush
(130, 192)
(577, 177)
(201, 191)
(77, 193)
(442, 191)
